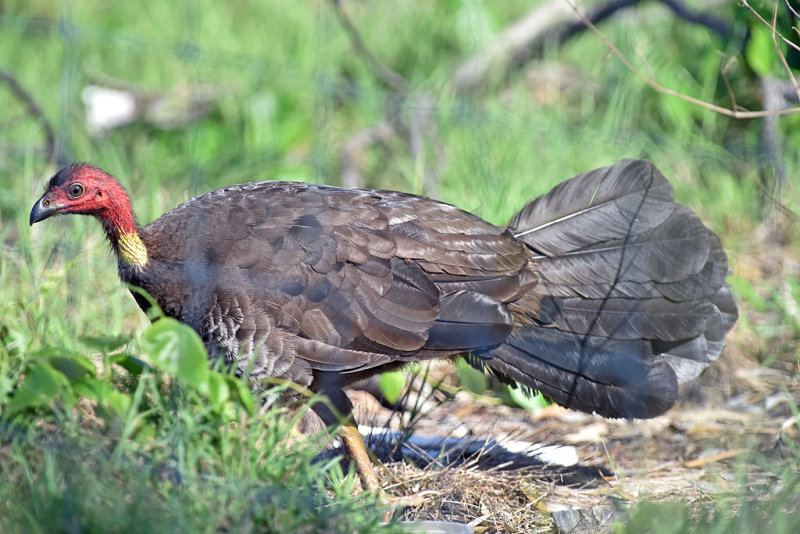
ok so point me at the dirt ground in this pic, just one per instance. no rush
(733, 423)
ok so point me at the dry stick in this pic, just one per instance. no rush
(723, 71)
(555, 20)
(665, 90)
(772, 158)
(34, 110)
(794, 12)
(389, 77)
(781, 55)
(518, 41)
(715, 24)
(420, 127)
(772, 27)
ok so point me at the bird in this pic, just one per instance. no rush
(604, 294)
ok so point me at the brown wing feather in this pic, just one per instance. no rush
(346, 280)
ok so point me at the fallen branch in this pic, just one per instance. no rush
(518, 42)
(555, 21)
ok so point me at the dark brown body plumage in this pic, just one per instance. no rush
(603, 294)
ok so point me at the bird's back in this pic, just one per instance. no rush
(343, 280)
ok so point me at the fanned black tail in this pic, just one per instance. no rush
(631, 299)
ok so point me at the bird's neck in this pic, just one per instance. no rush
(122, 230)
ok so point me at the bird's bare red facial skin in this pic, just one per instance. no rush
(90, 191)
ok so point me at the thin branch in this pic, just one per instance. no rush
(667, 91)
(418, 127)
(781, 55)
(596, 15)
(33, 109)
(389, 77)
(794, 12)
(770, 26)
(723, 71)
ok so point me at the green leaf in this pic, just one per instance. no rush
(218, 390)
(105, 395)
(527, 399)
(241, 393)
(91, 388)
(475, 381)
(43, 384)
(74, 367)
(105, 344)
(760, 52)
(392, 385)
(119, 402)
(177, 349)
(129, 362)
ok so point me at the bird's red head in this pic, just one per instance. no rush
(84, 189)
(87, 190)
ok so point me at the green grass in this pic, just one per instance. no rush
(189, 473)
(291, 92)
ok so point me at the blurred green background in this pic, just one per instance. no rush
(228, 92)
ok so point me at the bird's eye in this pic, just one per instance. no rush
(75, 190)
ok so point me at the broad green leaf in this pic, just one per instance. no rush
(392, 384)
(177, 349)
(130, 363)
(105, 343)
(49, 351)
(73, 367)
(43, 384)
(119, 402)
(92, 388)
(760, 52)
(218, 390)
(104, 394)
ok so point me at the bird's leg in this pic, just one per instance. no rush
(340, 410)
(355, 447)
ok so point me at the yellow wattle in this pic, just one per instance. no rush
(132, 251)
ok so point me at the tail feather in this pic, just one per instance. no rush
(647, 265)
(610, 203)
(632, 291)
(634, 319)
(615, 378)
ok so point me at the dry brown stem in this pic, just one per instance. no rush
(733, 113)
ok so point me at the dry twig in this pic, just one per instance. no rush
(770, 26)
(418, 127)
(389, 77)
(733, 113)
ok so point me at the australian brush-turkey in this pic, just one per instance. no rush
(604, 293)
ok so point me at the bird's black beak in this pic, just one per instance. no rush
(43, 209)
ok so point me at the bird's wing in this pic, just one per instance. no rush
(361, 278)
